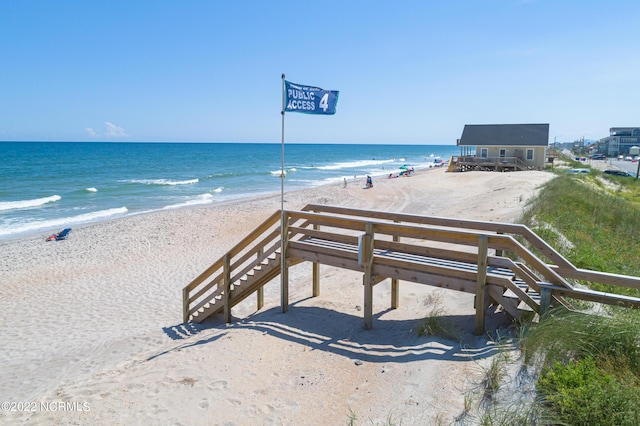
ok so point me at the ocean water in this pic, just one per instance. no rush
(46, 186)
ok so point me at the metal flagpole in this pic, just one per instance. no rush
(282, 167)
(284, 290)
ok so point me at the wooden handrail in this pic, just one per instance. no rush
(342, 226)
(495, 227)
(451, 236)
(204, 294)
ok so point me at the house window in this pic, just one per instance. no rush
(503, 152)
(529, 156)
(484, 153)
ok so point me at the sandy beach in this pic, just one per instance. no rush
(92, 331)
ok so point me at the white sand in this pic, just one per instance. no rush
(95, 321)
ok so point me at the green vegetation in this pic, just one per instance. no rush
(435, 323)
(585, 367)
(389, 421)
(589, 372)
(602, 222)
(589, 365)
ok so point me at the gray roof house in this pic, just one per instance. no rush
(502, 147)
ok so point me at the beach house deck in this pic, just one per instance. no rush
(501, 147)
(486, 259)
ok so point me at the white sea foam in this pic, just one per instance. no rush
(218, 189)
(27, 204)
(91, 189)
(200, 199)
(66, 222)
(163, 181)
(354, 164)
(278, 172)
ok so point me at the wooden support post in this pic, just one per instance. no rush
(315, 268)
(367, 260)
(260, 292)
(185, 305)
(395, 289)
(481, 287)
(226, 281)
(545, 299)
(499, 251)
(284, 268)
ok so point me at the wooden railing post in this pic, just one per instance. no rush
(260, 292)
(367, 260)
(395, 290)
(481, 287)
(284, 270)
(185, 305)
(499, 251)
(226, 281)
(315, 268)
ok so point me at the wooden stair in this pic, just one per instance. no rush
(517, 304)
(453, 165)
(456, 254)
(261, 273)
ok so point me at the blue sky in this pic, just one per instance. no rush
(408, 72)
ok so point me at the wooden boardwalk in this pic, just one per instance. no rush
(471, 256)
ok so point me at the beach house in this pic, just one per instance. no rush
(502, 147)
(620, 141)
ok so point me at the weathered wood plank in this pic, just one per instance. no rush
(481, 282)
(601, 277)
(496, 227)
(261, 229)
(203, 276)
(418, 260)
(419, 277)
(271, 238)
(251, 266)
(226, 283)
(332, 258)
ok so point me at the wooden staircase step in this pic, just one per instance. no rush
(508, 304)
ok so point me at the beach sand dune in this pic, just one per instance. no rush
(93, 323)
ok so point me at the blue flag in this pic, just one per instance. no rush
(309, 100)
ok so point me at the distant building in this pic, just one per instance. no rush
(503, 147)
(620, 140)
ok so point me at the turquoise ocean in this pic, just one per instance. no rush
(47, 186)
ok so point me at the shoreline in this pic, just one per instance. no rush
(97, 318)
(140, 180)
(219, 204)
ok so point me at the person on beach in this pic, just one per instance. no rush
(369, 182)
(345, 183)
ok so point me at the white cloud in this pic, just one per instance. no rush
(115, 131)
(111, 131)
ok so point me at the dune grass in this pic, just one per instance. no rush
(586, 367)
(589, 364)
(436, 323)
(602, 222)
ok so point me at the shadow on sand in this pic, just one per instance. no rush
(343, 334)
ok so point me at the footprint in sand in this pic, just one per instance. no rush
(135, 386)
(292, 404)
(157, 410)
(233, 402)
(268, 409)
(219, 385)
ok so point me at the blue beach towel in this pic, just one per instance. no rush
(62, 235)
